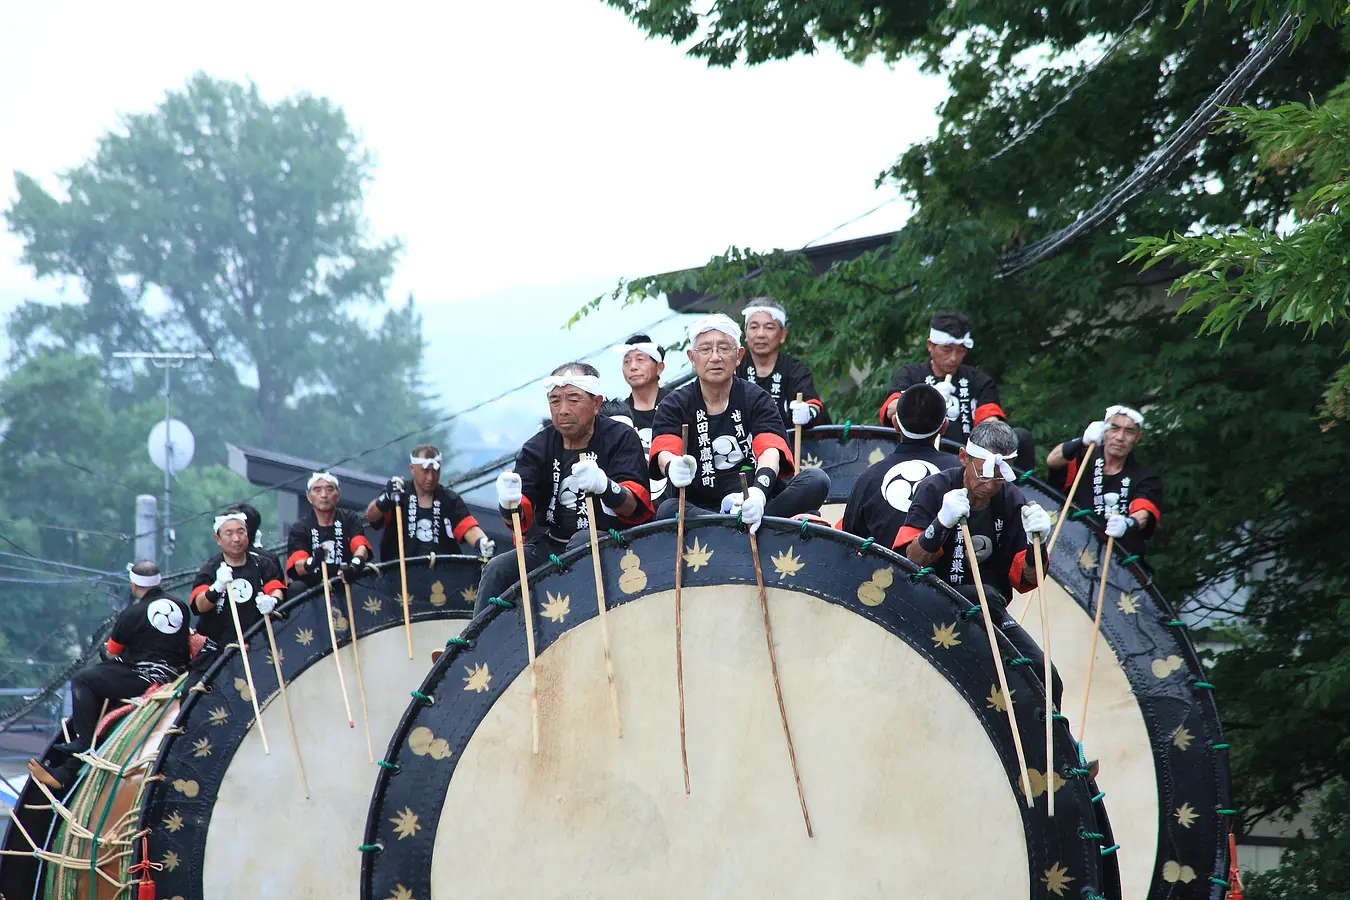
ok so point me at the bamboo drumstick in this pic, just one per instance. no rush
(974, 564)
(937, 438)
(1096, 631)
(228, 600)
(797, 438)
(403, 576)
(773, 667)
(679, 637)
(332, 634)
(604, 625)
(1068, 499)
(286, 705)
(356, 661)
(529, 626)
(1049, 679)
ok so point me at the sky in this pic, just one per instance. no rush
(529, 155)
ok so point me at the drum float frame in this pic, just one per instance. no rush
(405, 775)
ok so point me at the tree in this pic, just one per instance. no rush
(220, 221)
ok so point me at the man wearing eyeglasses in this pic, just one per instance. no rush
(435, 518)
(999, 517)
(733, 425)
(1118, 488)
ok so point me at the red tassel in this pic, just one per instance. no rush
(1235, 888)
(147, 889)
(143, 868)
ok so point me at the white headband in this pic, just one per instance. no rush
(1134, 414)
(143, 580)
(716, 322)
(942, 337)
(918, 437)
(777, 314)
(321, 476)
(992, 461)
(651, 348)
(426, 462)
(588, 383)
(231, 517)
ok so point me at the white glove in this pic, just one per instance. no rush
(1117, 525)
(266, 603)
(801, 412)
(486, 546)
(1035, 520)
(396, 484)
(681, 470)
(508, 490)
(731, 503)
(224, 575)
(955, 507)
(946, 389)
(752, 508)
(590, 477)
(1094, 433)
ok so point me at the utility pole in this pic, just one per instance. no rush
(168, 362)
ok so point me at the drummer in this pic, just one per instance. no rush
(326, 534)
(577, 452)
(882, 495)
(643, 362)
(732, 423)
(435, 518)
(783, 376)
(1120, 489)
(148, 646)
(981, 493)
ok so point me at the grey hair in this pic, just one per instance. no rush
(996, 436)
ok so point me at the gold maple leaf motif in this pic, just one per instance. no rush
(280, 657)
(372, 605)
(405, 823)
(1056, 879)
(1087, 559)
(470, 595)
(996, 700)
(201, 748)
(339, 621)
(1186, 816)
(174, 822)
(304, 637)
(875, 456)
(478, 678)
(696, 556)
(786, 564)
(218, 716)
(170, 860)
(945, 636)
(1181, 737)
(401, 893)
(556, 608)
(1128, 603)
(810, 462)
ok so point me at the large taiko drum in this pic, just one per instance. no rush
(223, 818)
(1152, 722)
(901, 738)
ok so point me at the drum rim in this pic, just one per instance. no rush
(618, 542)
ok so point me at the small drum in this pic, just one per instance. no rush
(226, 820)
(901, 739)
(1152, 721)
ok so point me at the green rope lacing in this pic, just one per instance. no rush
(1107, 851)
(843, 438)
(1060, 718)
(1019, 661)
(553, 558)
(919, 575)
(457, 642)
(386, 764)
(371, 848)
(1080, 513)
(618, 539)
(1225, 812)
(1202, 684)
(972, 612)
(1091, 835)
(428, 699)
(866, 545)
(1132, 558)
(1175, 623)
(1089, 894)
(1098, 798)
(1218, 746)
(805, 536)
(1083, 772)
(504, 604)
(1025, 476)
(1223, 881)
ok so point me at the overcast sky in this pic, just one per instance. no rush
(529, 154)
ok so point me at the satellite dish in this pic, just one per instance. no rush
(173, 454)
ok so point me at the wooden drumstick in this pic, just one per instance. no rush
(937, 438)
(356, 661)
(529, 625)
(679, 630)
(1049, 679)
(973, 561)
(248, 670)
(1068, 499)
(604, 625)
(797, 438)
(1096, 630)
(332, 634)
(286, 704)
(403, 576)
(773, 667)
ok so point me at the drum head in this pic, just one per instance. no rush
(227, 819)
(905, 758)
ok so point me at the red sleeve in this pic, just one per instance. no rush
(1015, 570)
(296, 558)
(767, 440)
(906, 534)
(463, 526)
(115, 648)
(885, 403)
(988, 410)
(818, 404)
(526, 517)
(197, 592)
(1069, 473)
(670, 443)
(273, 585)
(1148, 506)
(360, 541)
(644, 510)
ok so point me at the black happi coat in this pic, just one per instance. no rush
(339, 541)
(437, 528)
(996, 531)
(976, 396)
(789, 377)
(550, 495)
(643, 418)
(259, 575)
(882, 496)
(1131, 489)
(151, 636)
(723, 443)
